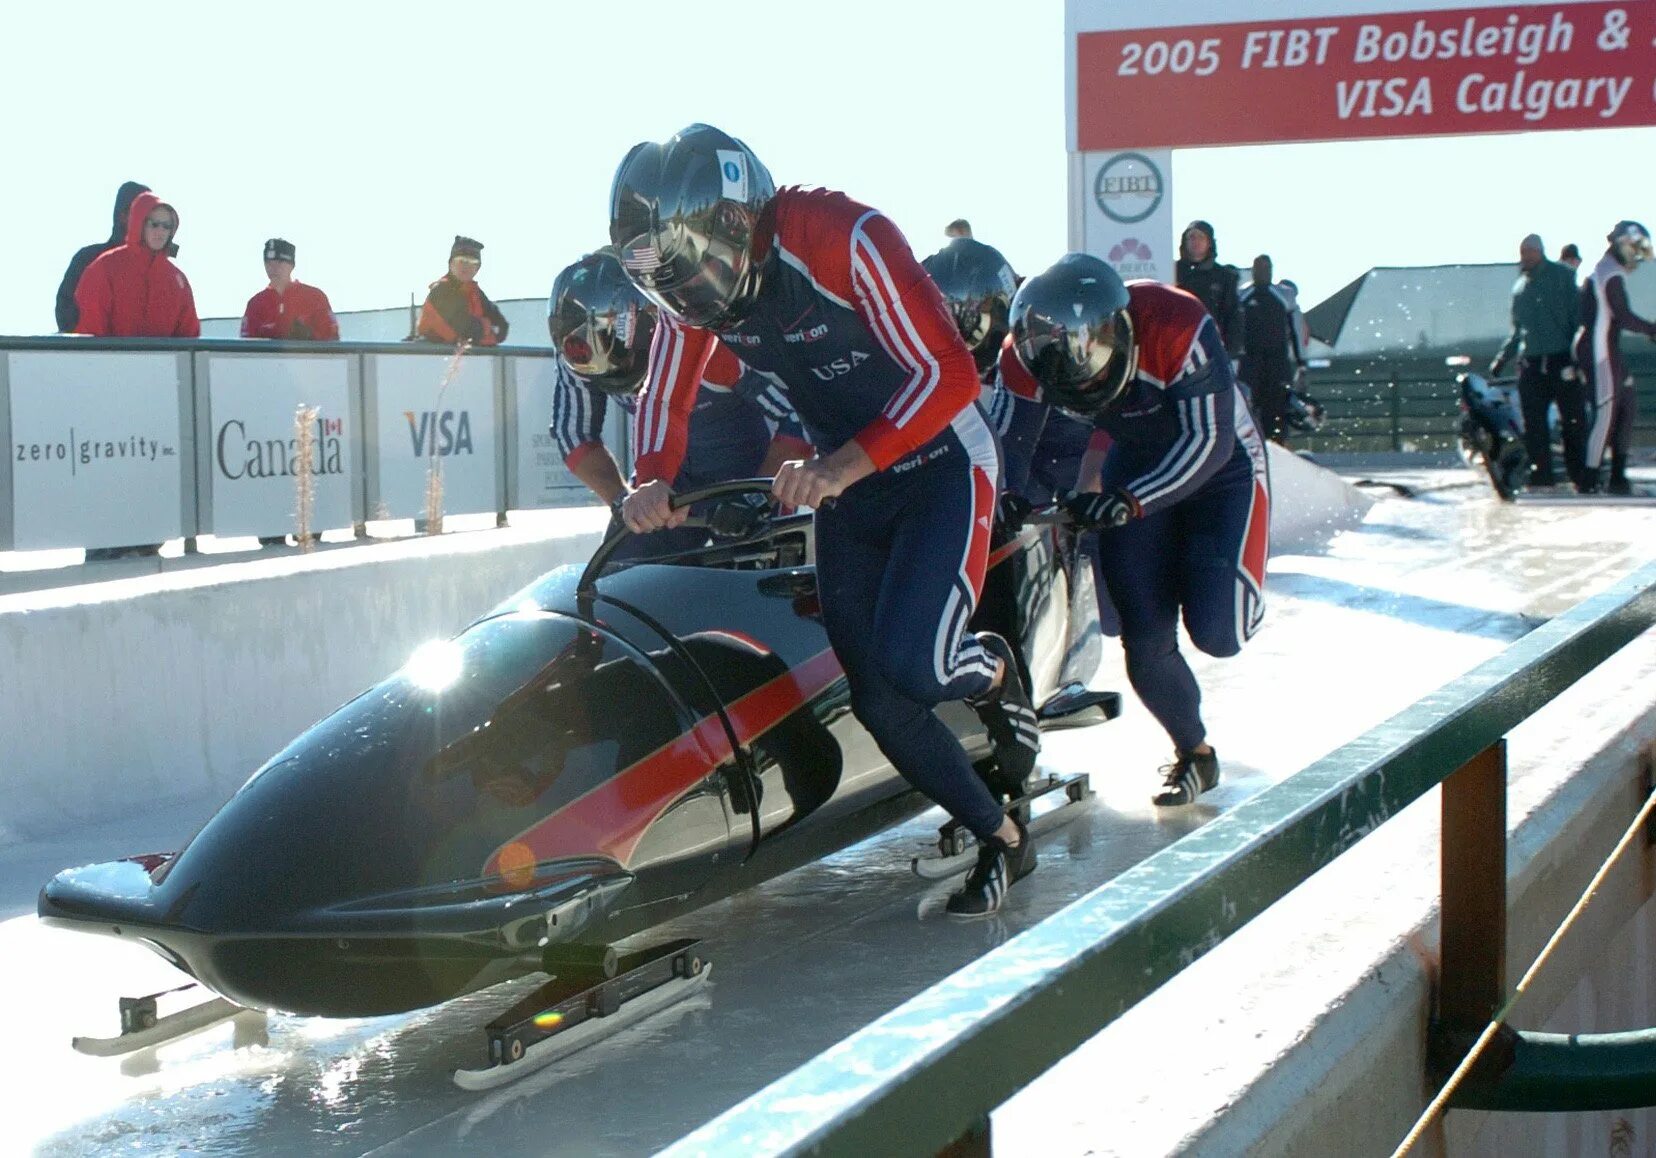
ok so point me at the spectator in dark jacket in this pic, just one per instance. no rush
(456, 309)
(1199, 272)
(1543, 325)
(134, 290)
(68, 313)
(1271, 355)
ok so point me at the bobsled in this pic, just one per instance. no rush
(607, 750)
(1492, 433)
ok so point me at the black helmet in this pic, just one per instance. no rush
(682, 216)
(601, 324)
(978, 284)
(1072, 332)
(1630, 242)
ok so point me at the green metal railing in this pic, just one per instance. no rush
(1409, 404)
(925, 1076)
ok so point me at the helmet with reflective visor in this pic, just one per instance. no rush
(978, 284)
(601, 324)
(1072, 332)
(683, 216)
(1630, 242)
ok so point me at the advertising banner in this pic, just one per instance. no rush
(542, 480)
(97, 453)
(430, 413)
(1128, 211)
(1441, 71)
(254, 442)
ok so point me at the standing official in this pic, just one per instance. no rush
(1272, 358)
(1543, 325)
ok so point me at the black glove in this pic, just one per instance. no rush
(1091, 511)
(1013, 510)
(1496, 367)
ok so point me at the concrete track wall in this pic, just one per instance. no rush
(117, 696)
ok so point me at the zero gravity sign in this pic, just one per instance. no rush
(1399, 74)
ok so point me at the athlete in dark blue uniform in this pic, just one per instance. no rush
(1184, 503)
(823, 294)
(741, 424)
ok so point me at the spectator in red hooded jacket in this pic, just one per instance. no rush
(457, 309)
(288, 308)
(135, 291)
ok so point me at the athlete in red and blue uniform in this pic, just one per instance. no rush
(1184, 506)
(741, 424)
(824, 295)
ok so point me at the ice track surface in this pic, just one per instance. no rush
(1426, 588)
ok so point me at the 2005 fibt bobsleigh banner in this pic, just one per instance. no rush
(607, 750)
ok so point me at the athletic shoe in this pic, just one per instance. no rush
(1186, 778)
(1011, 721)
(999, 867)
(1618, 486)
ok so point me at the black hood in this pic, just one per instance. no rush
(1213, 242)
(123, 206)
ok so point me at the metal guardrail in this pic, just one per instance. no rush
(925, 1076)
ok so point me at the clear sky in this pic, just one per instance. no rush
(369, 134)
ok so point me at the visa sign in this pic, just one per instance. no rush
(441, 433)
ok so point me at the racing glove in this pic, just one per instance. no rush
(1496, 367)
(1091, 511)
(1013, 509)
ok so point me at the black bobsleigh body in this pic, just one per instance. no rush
(1492, 433)
(591, 758)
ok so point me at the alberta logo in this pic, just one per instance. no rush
(1132, 258)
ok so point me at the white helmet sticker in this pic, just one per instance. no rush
(733, 174)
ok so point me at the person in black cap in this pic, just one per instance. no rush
(1199, 272)
(288, 309)
(456, 309)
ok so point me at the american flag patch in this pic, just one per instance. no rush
(642, 258)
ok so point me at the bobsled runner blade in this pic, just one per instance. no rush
(143, 1028)
(958, 848)
(572, 1012)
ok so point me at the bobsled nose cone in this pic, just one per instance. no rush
(109, 893)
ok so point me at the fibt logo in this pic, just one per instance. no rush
(439, 433)
(840, 366)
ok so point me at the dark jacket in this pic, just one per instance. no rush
(134, 292)
(1214, 284)
(1543, 312)
(68, 313)
(458, 311)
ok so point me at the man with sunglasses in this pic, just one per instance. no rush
(135, 291)
(456, 309)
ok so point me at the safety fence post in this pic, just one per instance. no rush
(1472, 963)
